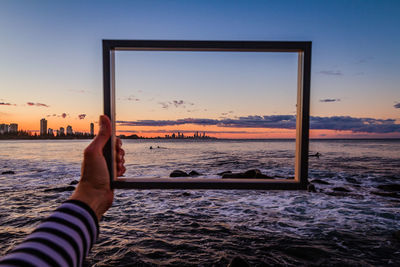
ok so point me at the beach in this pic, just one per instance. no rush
(350, 219)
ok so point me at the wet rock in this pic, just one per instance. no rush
(311, 188)
(194, 173)
(178, 173)
(60, 189)
(319, 181)
(195, 225)
(74, 182)
(352, 180)
(222, 173)
(238, 262)
(341, 189)
(8, 172)
(396, 235)
(386, 194)
(390, 187)
(186, 194)
(254, 173)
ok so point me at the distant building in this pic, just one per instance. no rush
(13, 128)
(3, 128)
(92, 129)
(69, 130)
(43, 126)
(62, 132)
(50, 132)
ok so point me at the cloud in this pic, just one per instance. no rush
(338, 123)
(175, 103)
(5, 104)
(37, 104)
(81, 116)
(328, 100)
(364, 60)
(78, 91)
(63, 115)
(331, 72)
(397, 105)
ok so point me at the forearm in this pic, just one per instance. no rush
(63, 239)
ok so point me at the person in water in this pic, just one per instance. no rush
(66, 236)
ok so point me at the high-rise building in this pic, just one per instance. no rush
(69, 130)
(50, 132)
(43, 126)
(62, 131)
(13, 128)
(3, 128)
(92, 129)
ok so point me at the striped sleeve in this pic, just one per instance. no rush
(63, 239)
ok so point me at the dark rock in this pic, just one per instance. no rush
(311, 188)
(238, 262)
(254, 173)
(319, 181)
(193, 173)
(232, 175)
(8, 172)
(352, 180)
(186, 194)
(396, 235)
(178, 173)
(74, 182)
(386, 194)
(390, 187)
(194, 224)
(341, 189)
(60, 189)
(225, 172)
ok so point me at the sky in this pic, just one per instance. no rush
(51, 67)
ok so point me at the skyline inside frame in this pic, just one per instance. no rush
(172, 97)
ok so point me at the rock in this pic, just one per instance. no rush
(341, 189)
(386, 194)
(238, 262)
(352, 180)
(186, 194)
(311, 188)
(60, 189)
(74, 182)
(319, 181)
(8, 172)
(178, 173)
(194, 224)
(254, 173)
(193, 173)
(396, 235)
(390, 187)
(225, 172)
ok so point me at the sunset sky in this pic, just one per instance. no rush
(51, 66)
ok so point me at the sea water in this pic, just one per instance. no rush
(200, 227)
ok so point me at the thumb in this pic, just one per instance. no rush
(104, 134)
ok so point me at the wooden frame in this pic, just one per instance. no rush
(302, 120)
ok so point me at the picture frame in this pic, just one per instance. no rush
(302, 48)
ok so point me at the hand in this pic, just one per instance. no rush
(94, 186)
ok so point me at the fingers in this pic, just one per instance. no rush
(120, 157)
(102, 137)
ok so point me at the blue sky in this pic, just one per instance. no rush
(51, 50)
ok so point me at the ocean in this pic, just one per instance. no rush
(351, 220)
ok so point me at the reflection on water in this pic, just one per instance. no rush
(188, 227)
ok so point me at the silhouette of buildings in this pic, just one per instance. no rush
(91, 129)
(69, 130)
(3, 128)
(50, 132)
(43, 126)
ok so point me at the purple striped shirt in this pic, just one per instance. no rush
(63, 239)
